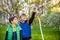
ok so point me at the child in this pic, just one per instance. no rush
(13, 31)
(26, 26)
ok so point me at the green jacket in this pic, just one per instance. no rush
(11, 30)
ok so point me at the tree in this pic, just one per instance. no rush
(10, 6)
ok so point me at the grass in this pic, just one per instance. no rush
(49, 33)
(2, 32)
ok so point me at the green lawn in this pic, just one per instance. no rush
(49, 33)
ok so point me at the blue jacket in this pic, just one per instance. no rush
(26, 29)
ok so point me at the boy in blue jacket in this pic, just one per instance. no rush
(26, 26)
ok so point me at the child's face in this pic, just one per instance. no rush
(23, 18)
(15, 21)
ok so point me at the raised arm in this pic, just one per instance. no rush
(32, 18)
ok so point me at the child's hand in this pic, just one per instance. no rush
(34, 10)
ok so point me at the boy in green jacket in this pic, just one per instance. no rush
(13, 30)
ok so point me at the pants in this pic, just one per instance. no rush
(27, 38)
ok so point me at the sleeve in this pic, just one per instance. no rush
(32, 18)
(20, 34)
(19, 26)
(6, 35)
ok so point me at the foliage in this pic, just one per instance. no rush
(51, 19)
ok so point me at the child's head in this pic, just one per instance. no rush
(23, 17)
(13, 20)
